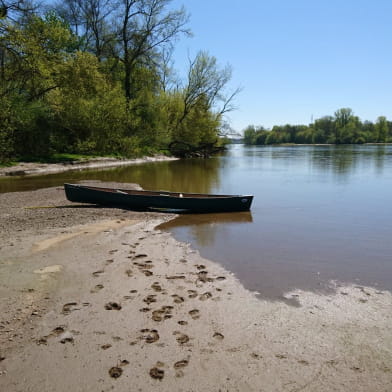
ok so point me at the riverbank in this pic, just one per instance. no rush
(36, 168)
(98, 299)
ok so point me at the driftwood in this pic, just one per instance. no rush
(186, 150)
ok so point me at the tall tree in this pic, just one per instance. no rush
(342, 119)
(207, 81)
(145, 27)
(381, 129)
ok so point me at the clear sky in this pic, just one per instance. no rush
(296, 59)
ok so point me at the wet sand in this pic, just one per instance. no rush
(96, 299)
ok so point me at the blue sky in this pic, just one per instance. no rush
(295, 59)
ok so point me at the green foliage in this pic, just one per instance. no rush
(88, 79)
(343, 128)
(381, 129)
(6, 130)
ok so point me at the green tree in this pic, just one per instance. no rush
(381, 129)
(343, 117)
(250, 135)
(144, 27)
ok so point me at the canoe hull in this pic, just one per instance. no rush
(154, 200)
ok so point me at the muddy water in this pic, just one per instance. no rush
(319, 213)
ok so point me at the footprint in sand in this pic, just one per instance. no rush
(96, 288)
(182, 322)
(147, 272)
(194, 313)
(69, 307)
(220, 278)
(140, 255)
(43, 340)
(66, 337)
(144, 310)
(181, 364)
(146, 266)
(156, 287)
(156, 373)
(178, 366)
(129, 273)
(200, 267)
(173, 277)
(55, 332)
(133, 291)
(192, 293)
(178, 299)
(106, 346)
(150, 299)
(202, 276)
(113, 251)
(115, 372)
(205, 296)
(218, 336)
(110, 261)
(98, 273)
(163, 313)
(58, 330)
(149, 335)
(112, 306)
(181, 337)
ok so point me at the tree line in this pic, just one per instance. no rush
(342, 128)
(97, 77)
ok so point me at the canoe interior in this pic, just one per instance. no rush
(157, 193)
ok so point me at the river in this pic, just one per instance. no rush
(321, 214)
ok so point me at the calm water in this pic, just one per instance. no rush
(319, 213)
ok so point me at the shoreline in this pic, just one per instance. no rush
(34, 168)
(95, 299)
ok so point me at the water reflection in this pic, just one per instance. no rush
(199, 176)
(342, 161)
(319, 212)
(203, 228)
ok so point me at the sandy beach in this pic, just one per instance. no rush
(98, 299)
(34, 168)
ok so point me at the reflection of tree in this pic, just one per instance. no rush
(189, 175)
(193, 175)
(379, 157)
(333, 159)
(340, 160)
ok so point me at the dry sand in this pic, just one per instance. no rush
(34, 168)
(95, 299)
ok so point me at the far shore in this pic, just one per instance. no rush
(98, 299)
(36, 168)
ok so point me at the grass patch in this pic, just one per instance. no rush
(62, 158)
(8, 164)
